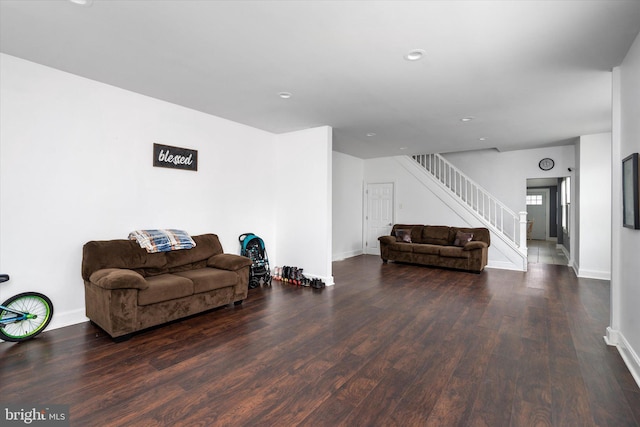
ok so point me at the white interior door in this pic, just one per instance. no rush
(379, 215)
(538, 212)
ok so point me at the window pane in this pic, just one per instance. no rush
(534, 199)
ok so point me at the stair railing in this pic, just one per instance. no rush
(488, 208)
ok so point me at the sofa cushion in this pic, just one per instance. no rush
(436, 235)
(402, 247)
(208, 279)
(165, 287)
(229, 262)
(462, 238)
(207, 245)
(427, 249)
(453, 252)
(99, 254)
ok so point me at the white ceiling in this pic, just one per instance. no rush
(532, 73)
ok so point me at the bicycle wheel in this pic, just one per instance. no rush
(39, 310)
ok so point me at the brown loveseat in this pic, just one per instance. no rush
(438, 246)
(128, 289)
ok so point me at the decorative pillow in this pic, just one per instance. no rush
(462, 238)
(162, 240)
(403, 236)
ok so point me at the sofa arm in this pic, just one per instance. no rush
(469, 246)
(229, 262)
(387, 239)
(118, 278)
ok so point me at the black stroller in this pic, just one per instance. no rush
(252, 247)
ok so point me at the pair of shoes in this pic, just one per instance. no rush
(288, 274)
(317, 284)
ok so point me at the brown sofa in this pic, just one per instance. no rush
(128, 289)
(438, 246)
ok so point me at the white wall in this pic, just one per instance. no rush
(76, 165)
(505, 174)
(348, 172)
(624, 330)
(414, 204)
(303, 197)
(593, 184)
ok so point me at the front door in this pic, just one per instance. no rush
(538, 212)
(379, 215)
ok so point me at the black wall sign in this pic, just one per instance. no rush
(166, 156)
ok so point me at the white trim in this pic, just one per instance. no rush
(328, 280)
(594, 274)
(67, 318)
(616, 203)
(502, 265)
(348, 254)
(629, 356)
(563, 249)
(612, 337)
(575, 267)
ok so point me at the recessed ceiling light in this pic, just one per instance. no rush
(415, 55)
(403, 148)
(467, 119)
(285, 95)
(82, 2)
(370, 134)
(483, 138)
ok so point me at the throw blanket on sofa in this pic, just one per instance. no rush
(162, 240)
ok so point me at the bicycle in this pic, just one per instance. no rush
(24, 316)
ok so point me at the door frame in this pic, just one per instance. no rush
(365, 211)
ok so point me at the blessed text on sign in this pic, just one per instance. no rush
(166, 156)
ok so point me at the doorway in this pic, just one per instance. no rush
(545, 241)
(379, 214)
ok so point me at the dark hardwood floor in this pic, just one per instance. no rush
(388, 345)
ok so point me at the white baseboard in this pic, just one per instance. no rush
(60, 320)
(328, 280)
(563, 249)
(612, 337)
(68, 318)
(502, 265)
(345, 255)
(594, 274)
(575, 267)
(629, 356)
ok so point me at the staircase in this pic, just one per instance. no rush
(509, 229)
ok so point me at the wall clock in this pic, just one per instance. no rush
(546, 164)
